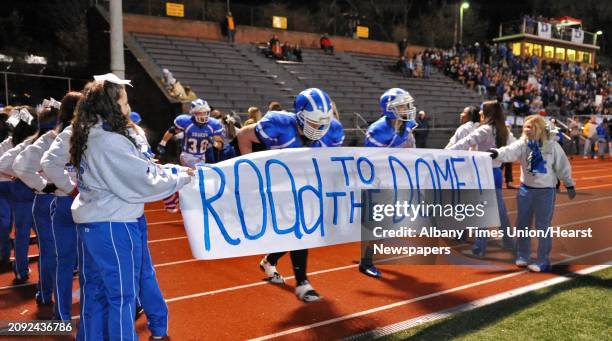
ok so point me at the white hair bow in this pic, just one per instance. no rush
(111, 77)
(21, 115)
(51, 103)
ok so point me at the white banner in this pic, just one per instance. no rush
(302, 198)
(544, 29)
(577, 36)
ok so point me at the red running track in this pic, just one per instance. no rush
(228, 300)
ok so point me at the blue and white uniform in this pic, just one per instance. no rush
(279, 129)
(198, 139)
(6, 207)
(115, 180)
(55, 164)
(541, 166)
(23, 199)
(27, 167)
(382, 133)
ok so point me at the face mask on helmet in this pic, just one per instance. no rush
(314, 124)
(402, 107)
(314, 113)
(201, 116)
(200, 110)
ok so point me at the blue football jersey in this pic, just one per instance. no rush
(382, 134)
(279, 129)
(198, 137)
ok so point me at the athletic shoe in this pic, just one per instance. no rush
(473, 254)
(164, 337)
(509, 185)
(306, 292)
(270, 270)
(22, 279)
(371, 271)
(40, 303)
(139, 312)
(521, 263)
(538, 267)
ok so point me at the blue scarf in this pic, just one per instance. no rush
(537, 164)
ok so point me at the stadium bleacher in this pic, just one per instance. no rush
(235, 77)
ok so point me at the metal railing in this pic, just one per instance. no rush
(530, 26)
(29, 88)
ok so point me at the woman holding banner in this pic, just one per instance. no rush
(115, 179)
(543, 161)
(492, 133)
(312, 125)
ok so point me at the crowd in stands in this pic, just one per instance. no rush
(528, 85)
(419, 65)
(282, 51)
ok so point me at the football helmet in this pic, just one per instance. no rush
(398, 104)
(313, 108)
(200, 110)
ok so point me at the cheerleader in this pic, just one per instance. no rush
(6, 201)
(115, 179)
(491, 133)
(470, 119)
(62, 225)
(543, 161)
(27, 167)
(25, 125)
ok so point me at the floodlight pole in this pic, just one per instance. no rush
(117, 64)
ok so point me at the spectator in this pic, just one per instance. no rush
(230, 26)
(297, 52)
(189, 94)
(402, 45)
(402, 66)
(254, 116)
(603, 136)
(275, 106)
(174, 87)
(230, 145)
(274, 40)
(418, 63)
(326, 44)
(422, 130)
(426, 65)
(574, 130)
(277, 51)
(590, 133)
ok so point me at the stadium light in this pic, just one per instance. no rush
(598, 33)
(463, 7)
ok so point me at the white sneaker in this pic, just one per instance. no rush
(270, 270)
(306, 292)
(534, 268)
(521, 263)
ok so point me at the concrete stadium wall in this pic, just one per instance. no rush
(249, 34)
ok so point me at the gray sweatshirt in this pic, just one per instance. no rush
(7, 159)
(116, 179)
(4, 147)
(483, 138)
(557, 164)
(27, 163)
(56, 162)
